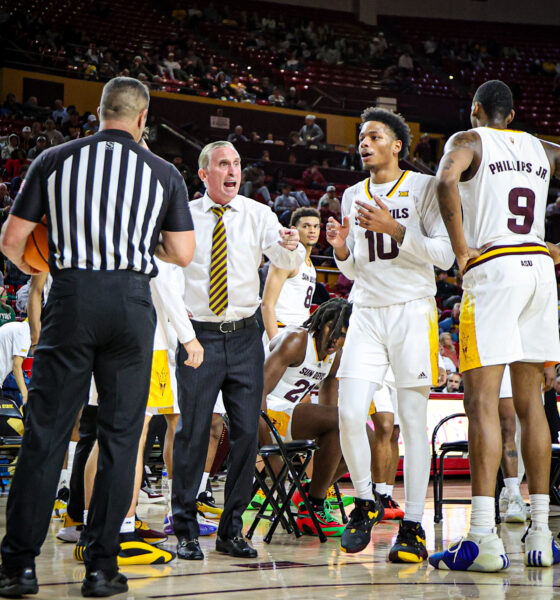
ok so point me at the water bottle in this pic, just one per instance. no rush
(164, 484)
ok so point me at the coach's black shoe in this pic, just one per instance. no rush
(189, 549)
(17, 583)
(365, 515)
(236, 546)
(98, 585)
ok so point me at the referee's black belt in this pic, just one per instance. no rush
(225, 326)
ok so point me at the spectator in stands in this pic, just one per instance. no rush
(137, 67)
(330, 201)
(294, 139)
(451, 324)
(265, 88)
(5, 198)
(32, 109)
(15, 184)
(265, 156)
(59, 114)
(454, 383)
(7, 313)
(42, 144)
(406, 64)
(173, 68)
(11, 107)
(447, 348)
(351, 160)
(72, 129)
(292, 99)
(237, 135)
(311, 134)
(54, 136)
(292, 158)
(424, 151)
(276, 98)
(37, 129)
(14, 163)
(26, 140)
(285, 201)
(91, 125)
(313, 178)
(445, 289)
(11, 144)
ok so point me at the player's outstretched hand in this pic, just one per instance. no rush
(290, 238)
(337, 232)
(195, 353)
(374, 218)
(554, 250)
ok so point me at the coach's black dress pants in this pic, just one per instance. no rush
(94, 321)
(233, 363)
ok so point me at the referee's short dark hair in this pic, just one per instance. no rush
(394, 122)
(123, 98)
(496, 99)
(303, 212)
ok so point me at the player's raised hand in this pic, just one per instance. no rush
(375, 218)
(337, 232)
(290, 238)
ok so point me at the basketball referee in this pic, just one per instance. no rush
(110, 205)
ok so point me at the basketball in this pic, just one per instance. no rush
(36, 252)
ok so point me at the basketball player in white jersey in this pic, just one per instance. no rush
(287, 294)
(492, 186)
(389, 241)
(298, 360)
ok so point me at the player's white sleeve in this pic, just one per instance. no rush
(278, 255)
(347, 267)
(171, 299)
(432, 244)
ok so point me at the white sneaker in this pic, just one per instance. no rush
(541, 550)
(149, 496)
(69, 534)
(503, 501)
(516, 510)
(473, 553)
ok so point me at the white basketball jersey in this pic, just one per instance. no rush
(294, 301)
(505, 202)
(385, 273)
(299, 381)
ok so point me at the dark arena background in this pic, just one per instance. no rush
(286, 83)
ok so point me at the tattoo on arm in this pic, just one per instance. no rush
(448, 162)
(398, 236)
(446, 214)
(512, 453)
(465, 139)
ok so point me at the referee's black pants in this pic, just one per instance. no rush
(94, 321)
(233, 363)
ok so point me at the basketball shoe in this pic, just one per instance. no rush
(147, 495)
(327, 523)
(150, 536)
(70, 531)
(516, 511)
(393, 511)
(331, 498)
(541, 549)
(61, 503)
(484, 553)
(205, 526)
(257, 500)
(410, 545)
(206, 504)
(364, 516)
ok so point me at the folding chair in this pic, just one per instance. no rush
(295, 456)
(438, 471)
(11, 432)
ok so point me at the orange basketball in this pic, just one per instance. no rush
(36, 252)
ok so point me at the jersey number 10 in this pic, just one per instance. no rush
(377, 239)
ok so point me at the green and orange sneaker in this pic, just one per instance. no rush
(328, 524)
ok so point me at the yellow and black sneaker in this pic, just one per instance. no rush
(135, 551)
(79, 548)
(365, 515)
(410, 545)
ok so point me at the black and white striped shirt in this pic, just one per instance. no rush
(106, 199)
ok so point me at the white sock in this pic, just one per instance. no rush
(381, 488)
(539, 510)
(128, 525)
(483, 515)
(203, 483)
(71, 452)
(413, 407)
(389, 489)
(170, 486)
(353, 411)
(85, 516)
(512, 486)
(63, 480)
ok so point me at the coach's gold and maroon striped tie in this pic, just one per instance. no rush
(218, 265)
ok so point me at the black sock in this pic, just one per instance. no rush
(317, 503)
